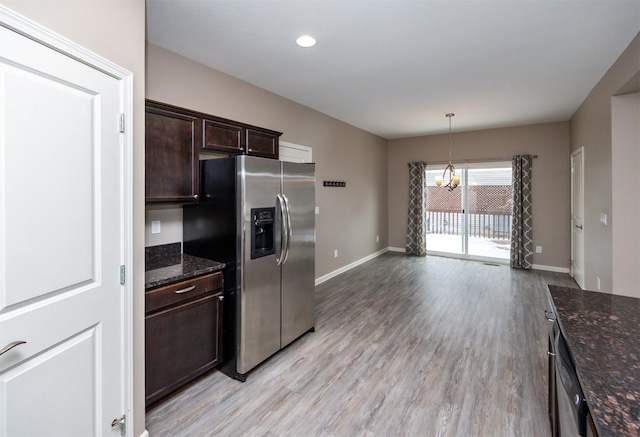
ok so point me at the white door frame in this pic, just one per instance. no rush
(22, 25)
(573, 245)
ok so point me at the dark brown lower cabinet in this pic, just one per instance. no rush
(183, 334)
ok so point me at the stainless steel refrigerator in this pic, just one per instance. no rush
(257, 216)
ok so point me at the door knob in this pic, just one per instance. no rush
(11, 345)
(546, 315)
(579, 226)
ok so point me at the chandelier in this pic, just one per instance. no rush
(449, 175)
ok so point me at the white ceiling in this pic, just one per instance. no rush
(395, 68)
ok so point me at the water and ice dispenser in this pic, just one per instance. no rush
(262, 232)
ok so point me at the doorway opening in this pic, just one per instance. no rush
(474, 220)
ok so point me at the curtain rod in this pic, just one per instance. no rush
(472, 161)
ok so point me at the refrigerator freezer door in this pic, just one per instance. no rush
(259, 184)
(298, 272)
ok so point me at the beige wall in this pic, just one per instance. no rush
(591, 129)
(170, 219)
(114, 29)
(350, 218)
(550, 180)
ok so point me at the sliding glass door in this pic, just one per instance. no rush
(474, 220)
(445, 220)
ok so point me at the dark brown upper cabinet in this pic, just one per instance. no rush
(174, 138)
(223, 137)
(226, 136)
(172, 141)
(262, 143)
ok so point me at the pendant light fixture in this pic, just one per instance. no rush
(449, 175)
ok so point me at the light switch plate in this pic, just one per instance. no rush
(155, 226)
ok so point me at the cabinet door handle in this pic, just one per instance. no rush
(551, 354)
(195, 196)
(220, 298)
(11, 345)
(186, 290)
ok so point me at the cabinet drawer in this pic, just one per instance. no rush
(182, 291)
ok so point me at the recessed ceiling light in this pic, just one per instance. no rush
(306, 41)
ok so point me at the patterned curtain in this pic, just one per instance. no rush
(416, 231)
(522, 229)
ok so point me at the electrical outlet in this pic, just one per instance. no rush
(603, 218)
(598, 283)
(538, 249)
(317, 210)
(335, 253)
(155, 226)
(377, 238)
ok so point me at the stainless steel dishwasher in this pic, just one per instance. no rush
(554, 331)
(572, 407)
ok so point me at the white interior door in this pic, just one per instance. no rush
(577, 216)
(61, 243)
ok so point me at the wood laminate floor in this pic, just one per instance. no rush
(404, 346)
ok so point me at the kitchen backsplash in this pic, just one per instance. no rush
(156, 257)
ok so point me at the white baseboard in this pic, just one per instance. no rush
(397, 249)
(551, 268)
(335, 273)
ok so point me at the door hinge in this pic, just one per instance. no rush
(122, 275)
(120, 421)
(121, 122)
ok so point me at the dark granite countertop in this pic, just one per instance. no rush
(166, 264)
(603, 335)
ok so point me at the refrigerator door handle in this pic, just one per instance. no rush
(288, 228)
(284, 234)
